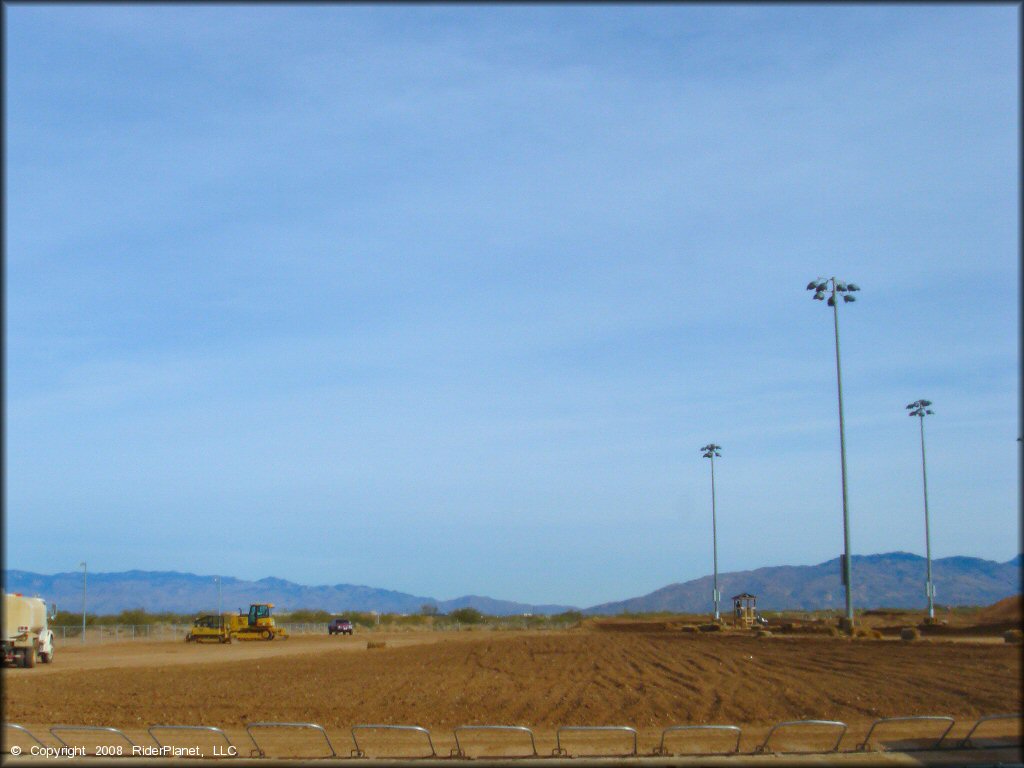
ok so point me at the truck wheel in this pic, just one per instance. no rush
(45, 658)
(29, 659)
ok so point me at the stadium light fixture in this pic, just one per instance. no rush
(920, 409)
(710, 451)
(833, 288)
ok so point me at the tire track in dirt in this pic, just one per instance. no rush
(543, 680)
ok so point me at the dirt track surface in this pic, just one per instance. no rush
(542, 679)
(147, 653)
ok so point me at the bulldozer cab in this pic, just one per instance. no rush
(259, 611)
(257, 624)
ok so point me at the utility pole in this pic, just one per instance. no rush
(84, 580)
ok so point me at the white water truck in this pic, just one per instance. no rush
(26, 636)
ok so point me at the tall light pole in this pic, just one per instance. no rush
(710, 452)
(84, 577)
(920, 409)
(834, 287)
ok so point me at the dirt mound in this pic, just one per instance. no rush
(613, 625)
(671, 623)
(1008, 609)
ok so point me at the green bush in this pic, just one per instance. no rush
(467, 616)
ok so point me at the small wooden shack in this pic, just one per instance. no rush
(744, 610)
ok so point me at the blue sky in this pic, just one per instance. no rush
(445, 299)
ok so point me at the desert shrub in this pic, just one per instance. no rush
(762, 633)
(1013, 635)
(710, 627)
(567, 617)
(363, 619)
(910, 633)
(688, 628)
(834, 632)
(376, 644)
(133, 616)
(467, 616)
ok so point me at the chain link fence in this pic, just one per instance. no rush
(116, 633)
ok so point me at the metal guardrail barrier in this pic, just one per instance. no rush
(258, 752)
(507, 728)
(804, 723)
(966, 740)
(53, 732)
(727, 728)
(357, 752)
(964, 743)
(24, 730)
(864, 745)
(207, 728)
(592, 728)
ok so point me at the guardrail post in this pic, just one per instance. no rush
(26, 731)
(54, 729)
(965, 742)
(660, 749)
(357, 752)
(592, 728)
(259, 750)
(920, 718)
(458, 751)
(209, 728)
(831, 723)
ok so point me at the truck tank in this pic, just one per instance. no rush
(23, 614)
(26, 637)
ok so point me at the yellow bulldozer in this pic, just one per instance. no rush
(257, 624)
(207, 629)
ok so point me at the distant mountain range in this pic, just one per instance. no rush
(893, 580)
(171, 591)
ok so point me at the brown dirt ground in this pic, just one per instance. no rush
(1010, 609)
(645, 679)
